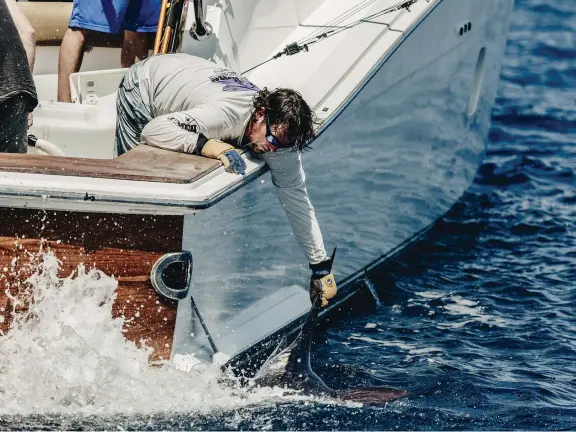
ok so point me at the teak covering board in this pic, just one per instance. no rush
(143, 163)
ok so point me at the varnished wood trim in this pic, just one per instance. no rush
(126, 246)
(143, 163)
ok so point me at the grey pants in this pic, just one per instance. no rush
(132, 113)
(14, 124)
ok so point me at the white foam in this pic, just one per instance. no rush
(68, 355)
(472, 311)
(455, 305)
(430, 294)
(411, 349)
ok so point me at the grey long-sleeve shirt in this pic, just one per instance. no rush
(188, 95)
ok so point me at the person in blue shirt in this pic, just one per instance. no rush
(136, 18)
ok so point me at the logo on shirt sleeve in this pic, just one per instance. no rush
(188, 123)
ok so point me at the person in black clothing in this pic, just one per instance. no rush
(17, 91)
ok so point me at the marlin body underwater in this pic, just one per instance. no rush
(290, 367)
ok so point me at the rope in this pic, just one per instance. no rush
(402, 5)
(334, 29)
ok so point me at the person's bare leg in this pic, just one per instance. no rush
(134, 48)
(70, 60)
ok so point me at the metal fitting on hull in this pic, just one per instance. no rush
(200, 30)
(171, 275)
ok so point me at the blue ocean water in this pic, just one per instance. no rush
(477, 320)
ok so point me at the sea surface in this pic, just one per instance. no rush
(477, 321)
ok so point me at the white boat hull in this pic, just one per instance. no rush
(394, 159)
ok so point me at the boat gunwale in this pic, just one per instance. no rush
(44, 197)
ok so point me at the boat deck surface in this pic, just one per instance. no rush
(143, 163)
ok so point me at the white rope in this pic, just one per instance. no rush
(48, 148)
(395, 7)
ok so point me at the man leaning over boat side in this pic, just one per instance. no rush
(17, 91)
(188, 104)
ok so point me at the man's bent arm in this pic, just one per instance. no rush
(172, 132)
(180, 131)
(25, 31)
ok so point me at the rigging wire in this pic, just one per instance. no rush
(335, 23)
(323, 34)
(405, 5)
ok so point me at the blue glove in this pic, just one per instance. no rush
(225, 153)
(233, 162)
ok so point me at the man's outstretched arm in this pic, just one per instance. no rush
(288, 177)
(302, 218)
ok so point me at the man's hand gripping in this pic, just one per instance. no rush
(227, 154)
(322, 282)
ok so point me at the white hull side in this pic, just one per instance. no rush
(394, 160)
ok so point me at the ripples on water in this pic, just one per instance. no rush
(478, 319)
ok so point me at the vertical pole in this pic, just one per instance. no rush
(166, 41)
(203, 324)
(160, 29)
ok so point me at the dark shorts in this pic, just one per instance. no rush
(113, 16)
(14, 130)
(132, 112)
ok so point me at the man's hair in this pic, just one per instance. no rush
(286, 107)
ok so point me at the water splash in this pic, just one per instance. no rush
(66, 354)
(373, 291)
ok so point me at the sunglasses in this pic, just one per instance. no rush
(271, 138)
